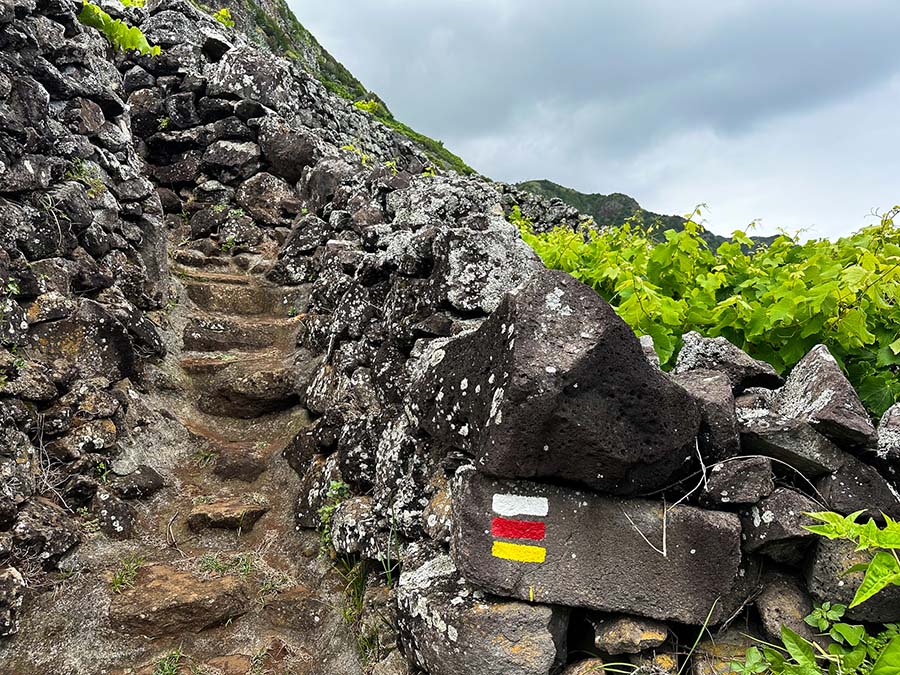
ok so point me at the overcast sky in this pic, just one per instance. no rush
(783, 111)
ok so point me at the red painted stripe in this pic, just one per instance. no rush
(517, 529)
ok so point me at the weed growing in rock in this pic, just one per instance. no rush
(203, 458)
(429, 172)
(119, 34)
(170, 664)
(216, 564)
(228, 245)
(163, 123)
(124, 577)
(852, 650)
(87, 175)
(223, 16)
(338, 491)
(775, 302)
(364, 158)
(89, 523)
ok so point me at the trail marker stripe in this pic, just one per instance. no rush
(518, 529)
(520, 505)
(519, 552)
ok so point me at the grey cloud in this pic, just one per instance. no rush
(578, 90)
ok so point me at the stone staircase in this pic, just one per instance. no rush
(217, 578)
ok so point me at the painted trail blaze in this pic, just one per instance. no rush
(505, 526)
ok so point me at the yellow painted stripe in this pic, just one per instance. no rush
(519, 552)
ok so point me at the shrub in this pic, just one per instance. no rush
(776, 302)
(223, 16)
(851, 648)
(120, 35)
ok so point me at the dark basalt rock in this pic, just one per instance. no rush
(718, 437)
(738, 481)
(818, 392)
(555, 364)
(92, 340)
(793, 443)
(774, 527)
(579, 541)
(142, 483)
(45, 531)
(719, 355)
(12, 594)
(447, 630)
(858, 487)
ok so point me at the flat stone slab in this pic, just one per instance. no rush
(556, 545)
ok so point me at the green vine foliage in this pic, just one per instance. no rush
(841, 648)
(884, 568)
(120, 34)
(776, 302)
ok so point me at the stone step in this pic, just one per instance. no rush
(215, 333)
(242, 385)
(234, 295)
(197, 259)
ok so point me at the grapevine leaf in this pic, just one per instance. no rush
(882, 572)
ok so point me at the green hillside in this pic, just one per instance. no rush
(614, 209)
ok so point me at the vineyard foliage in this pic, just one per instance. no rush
(775, 301)
(120, 35)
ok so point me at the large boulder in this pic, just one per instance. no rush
(856, 486)
(555, 385)
(557, 545)
(817, 392)
(774, 527)
(448, 628)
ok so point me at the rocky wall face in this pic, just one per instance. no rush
(83, 261)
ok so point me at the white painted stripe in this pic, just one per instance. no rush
(520, 505)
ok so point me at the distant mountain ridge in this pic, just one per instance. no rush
(614, 209)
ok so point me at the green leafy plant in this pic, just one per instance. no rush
(120, 35)
(170, 664)
(429, 172)
(850, 650)
(126, 574)
(163, 123)
(228, 245)
(133, 3)
(884, 568)
(774, 301)
(364, 158)
(88, 175)
(223, 16)
(338, 491)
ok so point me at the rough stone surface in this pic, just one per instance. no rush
(792, 443)
(589, 540)
(784, 601)
(719, 355)
(627, 634)
(230, 513)
(447, 627)
(858, 487)
(738, 481)
(774, 526)
(557, 364)
(166, 601)
(712, 391)
(827, 580)
(12, 593)
(818, 392)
